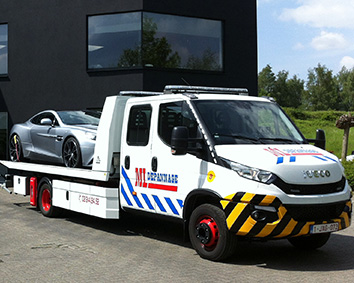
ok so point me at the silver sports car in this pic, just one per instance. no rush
(65, 137)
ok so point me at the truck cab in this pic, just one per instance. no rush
(228, 165)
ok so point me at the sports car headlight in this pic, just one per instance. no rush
(90, 136)
(251, 173)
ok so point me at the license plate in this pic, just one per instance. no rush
(324, 228)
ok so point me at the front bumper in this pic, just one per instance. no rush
(264, 216)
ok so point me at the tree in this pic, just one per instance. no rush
(287, 92)
(322, 91)
(266, 81)
(345, 81)
(295, 90)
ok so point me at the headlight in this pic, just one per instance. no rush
(251, 173)
(90, 136)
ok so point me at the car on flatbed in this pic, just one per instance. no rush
(59, 137)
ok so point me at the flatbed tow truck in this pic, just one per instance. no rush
(227, 165)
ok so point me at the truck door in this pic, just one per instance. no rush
(153, 179)
(135, 158)
(174, 176)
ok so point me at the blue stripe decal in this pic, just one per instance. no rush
(170, 204)
(159, 204)
(320, 158)
(130, 186)
(146, 198)
(125, 196)
(292, 158)
(180, 202)
(280, 160)
(331, 159)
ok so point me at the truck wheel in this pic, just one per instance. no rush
(310, 242)
(45, 201)
(209, 234)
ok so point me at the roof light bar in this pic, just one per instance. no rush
(139, 93)
(204, 89)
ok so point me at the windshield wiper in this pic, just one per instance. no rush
(281, 140)
(238, 137)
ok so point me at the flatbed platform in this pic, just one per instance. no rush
(55, 170)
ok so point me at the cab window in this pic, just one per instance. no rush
(139, 125)
(176, 114)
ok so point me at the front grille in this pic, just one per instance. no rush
(310, 189)
(315, 212)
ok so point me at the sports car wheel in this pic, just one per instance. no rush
(209, 234)
(72, 153)
(15, 148)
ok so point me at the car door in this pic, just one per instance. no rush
(44, 136)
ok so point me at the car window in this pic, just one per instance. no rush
(79, 117)
(38, 118)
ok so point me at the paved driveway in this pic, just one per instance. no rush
(79, 248)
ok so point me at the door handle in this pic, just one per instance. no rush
(154, 164)
(127, 162)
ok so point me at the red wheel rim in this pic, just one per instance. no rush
(46, 201)
(207, 232)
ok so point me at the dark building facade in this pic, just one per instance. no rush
(58, 54)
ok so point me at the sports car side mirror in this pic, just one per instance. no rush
(46, 122)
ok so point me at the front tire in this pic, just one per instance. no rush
(45, 201)
(209, 234)
(72, 153)
(310, 242)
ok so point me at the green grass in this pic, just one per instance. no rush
(309, 121)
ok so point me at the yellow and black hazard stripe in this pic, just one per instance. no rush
(278, 222)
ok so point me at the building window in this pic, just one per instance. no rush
(150, 40)
(3, 49)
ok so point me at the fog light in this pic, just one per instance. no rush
(258, 215)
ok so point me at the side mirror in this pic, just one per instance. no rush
(46, 122)
(320, 140)
(179, 140)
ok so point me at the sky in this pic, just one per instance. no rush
(297, 35)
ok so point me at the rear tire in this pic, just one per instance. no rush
(15, 148)
(209, 234)
(45, 201)
(310, 242)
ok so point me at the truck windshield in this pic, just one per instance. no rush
(247, 122)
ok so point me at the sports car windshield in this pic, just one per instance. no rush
(78, 118)
(247, 122)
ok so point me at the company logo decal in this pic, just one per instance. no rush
(153, 180)
(292, 154)
(150, 199)
(316, 173)
(211, 176)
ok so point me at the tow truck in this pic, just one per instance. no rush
(226, 164)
